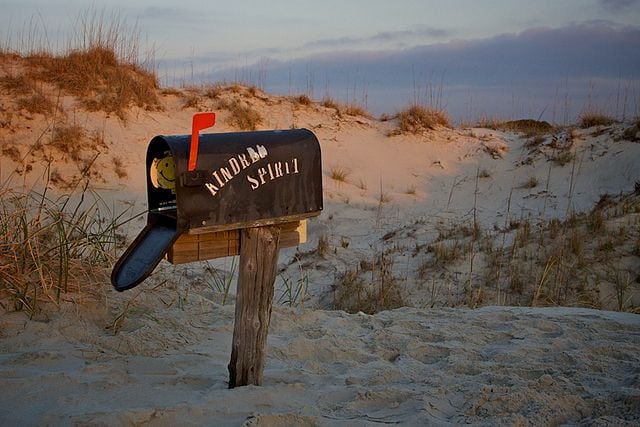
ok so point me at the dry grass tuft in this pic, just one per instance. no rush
(355, 110)
(484, 173)
(191, 100)
(302, 100)
(170, 91)
(528, 127)
(384, 198)
(380, 291)
(417, 119)
(101, 66)
(37, 103)
(29, 97)
(17, 84)
(445, 252)
(411, 190)
(6, 118)
(329, 102)
(68, 140)
(563, 157)
(489, 123)
(595, 118)
(339, 173)
(213, 91)
(532, 182)
(12, 152)
(99, 79)
(632, 133)
(351, 109)
(323, 246)
(243, 116)
(118, 167)
(535, 142)
(253, 91)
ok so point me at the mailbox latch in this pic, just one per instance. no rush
(195, 178)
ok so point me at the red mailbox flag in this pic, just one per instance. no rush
(200, 121)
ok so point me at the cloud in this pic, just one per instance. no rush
(593, 49)
(399, 37)
(617, 5)
(363, 46)
(533, 65)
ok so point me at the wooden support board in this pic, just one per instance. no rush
(201, 247)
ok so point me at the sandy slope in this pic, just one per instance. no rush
(159, 357)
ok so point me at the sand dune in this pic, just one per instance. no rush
(158, 355)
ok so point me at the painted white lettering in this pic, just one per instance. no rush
(243, 161)
(254, 156)
(212, 188)
(261, 173)
(226, 174)
(235, 166)
(254, 182)
(215, 175)
(262, 151)
(278, 169)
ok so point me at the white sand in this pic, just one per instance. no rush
(495, 365)
(166, 365)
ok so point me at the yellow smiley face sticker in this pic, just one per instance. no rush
(163, 173)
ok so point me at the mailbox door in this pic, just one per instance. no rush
(144, 254)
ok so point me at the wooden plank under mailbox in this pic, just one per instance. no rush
(204, 246)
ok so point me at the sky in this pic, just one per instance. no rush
(548, 59)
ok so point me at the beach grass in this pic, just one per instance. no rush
(54, 245)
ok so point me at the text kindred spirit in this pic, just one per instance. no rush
(271, 171)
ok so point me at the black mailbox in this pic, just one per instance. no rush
(234, 180)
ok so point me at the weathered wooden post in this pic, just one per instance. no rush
(216, 195)
(259, 248)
